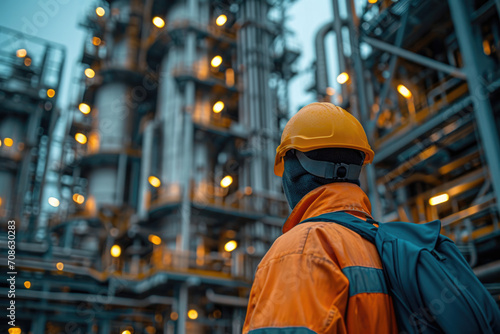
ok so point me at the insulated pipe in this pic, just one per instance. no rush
(182, 302)
(189, 94)
(170, 114)
(242, 87)
(121, 179)
(338, 23)
(226, 300)
(470, 48)
(147, 148)
(269, 108)
(189, 100)
(251, 93)
(84, 297)
(321, 67)
(255, 96)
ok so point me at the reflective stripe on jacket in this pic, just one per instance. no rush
(321, 277)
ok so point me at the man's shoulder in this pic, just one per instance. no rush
(329, 241)
(297, 241)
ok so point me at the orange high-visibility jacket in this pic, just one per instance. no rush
(320, 277)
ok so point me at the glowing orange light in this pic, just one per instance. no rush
(342, 78)
(230, 77)
(84, 108)
(216, 61)
(8, 142)
(439, 199)
(27, 61)
(60, 266)
(226, 181)
(78, 198)
(218, 107)
(115, 251)
(154, 181)
(27, 284)
(192, 314)
(81, 138)
(221, 20)
(51, 93)
(96, 41)
(405, 92)
(21, 53)
(230, 246)
(154, 239)
(486, 47)
(100, 11)
(158, 22)
(89, 73)
(54, 202)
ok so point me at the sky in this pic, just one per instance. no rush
(58, 21)
(305, 20)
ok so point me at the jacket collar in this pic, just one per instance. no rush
(337, 196)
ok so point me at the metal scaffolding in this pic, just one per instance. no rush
(166, 200)
(423, 77)
(150, 209)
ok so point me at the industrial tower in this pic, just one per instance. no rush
(423, 77)
(167, 197)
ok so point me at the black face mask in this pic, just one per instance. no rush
(297, 182)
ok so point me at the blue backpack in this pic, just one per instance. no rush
(432, 286)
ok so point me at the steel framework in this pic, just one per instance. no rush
(425, 84)
(166, 196)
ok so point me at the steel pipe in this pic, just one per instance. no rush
(226, 300)
(414, 57)
(362, 105)
(471, 49)
(392, 68)
(100, 299)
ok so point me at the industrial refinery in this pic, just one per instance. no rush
(146, 204)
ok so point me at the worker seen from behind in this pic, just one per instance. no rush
(320, 277)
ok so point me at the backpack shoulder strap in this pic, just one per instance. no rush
(363, 228)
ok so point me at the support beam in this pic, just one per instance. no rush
(392, 68)
(402, 139)
(104, 326)
(497, 4)
(362, 104)
(414, 57)
(470, 48)
(189, 104)
(182, 302)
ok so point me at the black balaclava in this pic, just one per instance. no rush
(297, 182)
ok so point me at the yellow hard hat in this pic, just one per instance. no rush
(322, 125)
